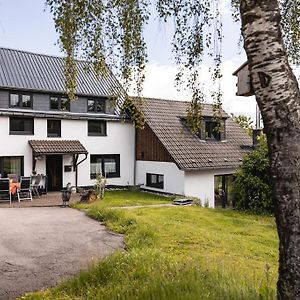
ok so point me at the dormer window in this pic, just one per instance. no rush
(212, 132)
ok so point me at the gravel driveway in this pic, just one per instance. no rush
(40, 247)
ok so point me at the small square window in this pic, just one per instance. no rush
(53, 128)
(26, 100)
(54, 103)
(59, 103)
(212, 131)
(96, 105)
(64, 103)
(96, 128)
(91, 105)
(155, 180)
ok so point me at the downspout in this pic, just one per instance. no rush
(76, 167)
(134, 164)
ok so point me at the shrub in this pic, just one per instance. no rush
(252, 186)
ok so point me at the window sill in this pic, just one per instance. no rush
(90, 134)
(107, 176)
(20, 133)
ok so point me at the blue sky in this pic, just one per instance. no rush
(26, 25)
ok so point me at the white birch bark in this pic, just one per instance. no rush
(277, 94)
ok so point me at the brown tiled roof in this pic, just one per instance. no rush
(57, 147)
(190, 152)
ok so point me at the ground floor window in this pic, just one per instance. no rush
(106, 164)
(155, 180)
(11, 165)
(223, 191)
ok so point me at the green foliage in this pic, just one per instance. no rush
(166, 258)
(194, 116)
(133, 109)
(110, 34)
(252, 185)
(245, 122)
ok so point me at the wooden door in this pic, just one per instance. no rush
(54, 172)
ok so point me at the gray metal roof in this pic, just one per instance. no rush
(187, 149)
(39, 72)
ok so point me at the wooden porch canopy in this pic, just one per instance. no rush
(48, 147)
(58, 147)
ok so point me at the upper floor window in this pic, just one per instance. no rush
(96, 128)
(212, 130)
(96, 105)
(53, 128)
(20, 100)
(59, 103)
(20, 125)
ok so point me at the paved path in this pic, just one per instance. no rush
(39, 247)
(49, 200)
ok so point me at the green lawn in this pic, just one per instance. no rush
(129, 198)
(178, 253)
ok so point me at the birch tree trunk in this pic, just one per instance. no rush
(277, 94)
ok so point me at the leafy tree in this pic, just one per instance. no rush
(244, 122)
(252, 185)
(110, 33)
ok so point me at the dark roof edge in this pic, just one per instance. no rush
(240, 68)
(42, 91)
(164, 99)
(61, 115)
(41, 54)
(208, 168)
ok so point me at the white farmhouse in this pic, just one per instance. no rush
(171, 159)
(42, 132)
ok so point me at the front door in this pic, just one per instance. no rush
(223, 191)
(54, 172)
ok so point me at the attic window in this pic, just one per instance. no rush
(211, 130)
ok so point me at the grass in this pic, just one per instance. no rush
(129, 198)
(178, 253)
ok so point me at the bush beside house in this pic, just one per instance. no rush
(252, 186)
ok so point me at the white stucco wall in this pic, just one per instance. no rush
(119, 140)
(200, 184)
(173, 177)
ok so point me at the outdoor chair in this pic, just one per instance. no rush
(24, 192)
(35, 185)
(5, 194)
